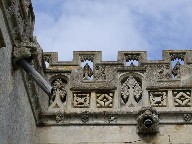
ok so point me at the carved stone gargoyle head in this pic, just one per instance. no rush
(147, 121)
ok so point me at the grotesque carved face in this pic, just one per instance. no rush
(147, 121)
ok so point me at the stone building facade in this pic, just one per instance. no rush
(131, 100)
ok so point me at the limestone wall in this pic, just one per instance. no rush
(169, 134)
(17, 124)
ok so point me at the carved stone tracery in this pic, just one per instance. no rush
(177, 55)
(182, 98)
(131, 89)
(87, 72)
(176, 70)
(58, 97)
(130, 57)
(19, 18)
(105, 100)
(81, 100)
(86, 58)
(158, 98)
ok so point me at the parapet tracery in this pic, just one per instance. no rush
(131, 90)
(115, 91)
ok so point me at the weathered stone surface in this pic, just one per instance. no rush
(175, 134)
(93, 101)
(114, 95)
(17, 123)
(2, 42)
(132, 87)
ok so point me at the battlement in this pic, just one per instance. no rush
(123, 57)
(86, 87)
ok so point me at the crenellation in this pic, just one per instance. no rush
(125, 56)
(93, 56)
(171, 55)
(119, 88)
(50, 57)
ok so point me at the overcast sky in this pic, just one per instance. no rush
(109, 26)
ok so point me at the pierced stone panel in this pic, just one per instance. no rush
(182, 98)
(105, 100)
(132, 63)
(158, 98)
(87, 72)
(132, 59)
(132, 56)
(86, 58)
(178, 55)
(58, 97)
(177, 59)
(131, 91)
(176, 69)
(100, 73)
(81, 100)
(87, 63)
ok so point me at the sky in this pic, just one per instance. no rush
(110, 26)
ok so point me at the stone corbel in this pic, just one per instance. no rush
(24, 50)
(20, 52)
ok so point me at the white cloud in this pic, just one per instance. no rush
(113, 25)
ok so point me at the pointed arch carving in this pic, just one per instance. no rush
(58, 98)
(131, 89)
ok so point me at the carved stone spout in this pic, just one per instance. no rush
(147, 121)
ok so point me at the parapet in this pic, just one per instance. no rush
(90, 91)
